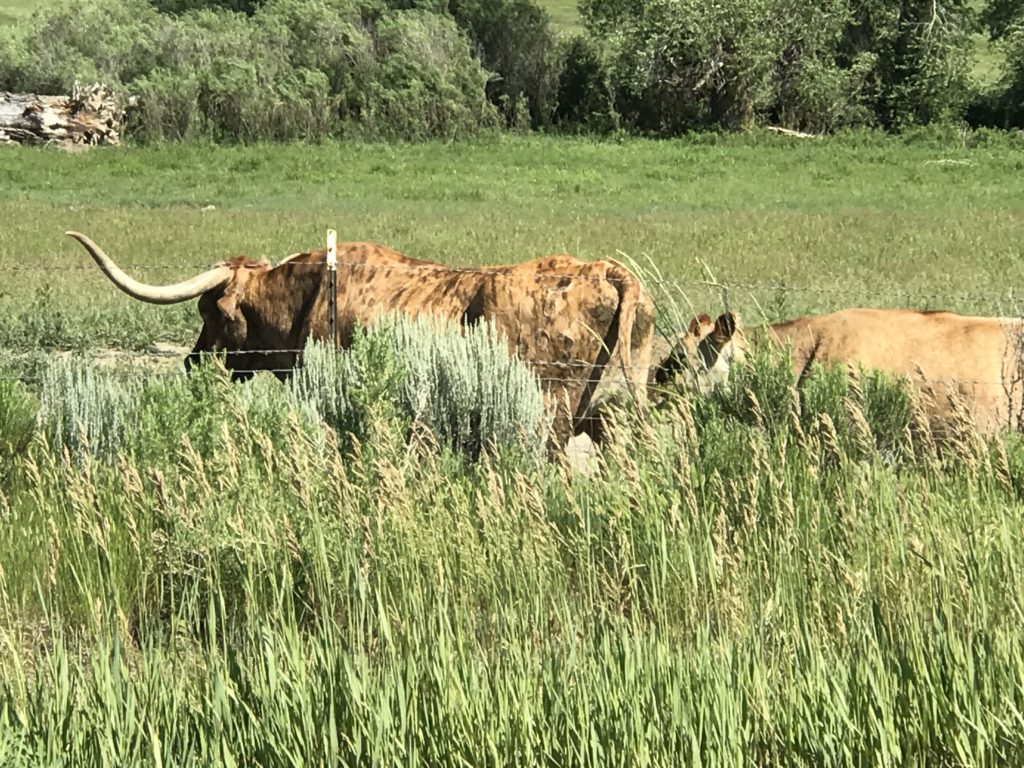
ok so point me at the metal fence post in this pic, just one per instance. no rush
(332, 286)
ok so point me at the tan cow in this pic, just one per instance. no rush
(975, 359)
(564, 317)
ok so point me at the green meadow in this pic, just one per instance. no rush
(199, 573)
(12, 10)
(793, 226)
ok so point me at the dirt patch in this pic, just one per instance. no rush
(160, 358)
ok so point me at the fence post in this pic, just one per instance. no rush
(332, 286)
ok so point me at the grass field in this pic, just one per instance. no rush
(799, 226)
(210, 578)
(12, 10)
(565, 15)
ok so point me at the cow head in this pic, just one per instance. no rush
(706, 351)
(238, 324)
(235, 322)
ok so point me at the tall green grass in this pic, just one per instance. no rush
(747, 579)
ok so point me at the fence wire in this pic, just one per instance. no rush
(1009, 294)
(653, 282)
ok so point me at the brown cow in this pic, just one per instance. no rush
(977, 360)
(563, 316)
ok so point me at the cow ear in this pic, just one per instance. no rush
(228, 305)
(700, 326)
(725, 326)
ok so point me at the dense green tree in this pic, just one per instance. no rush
(998, 16)
(514, 41)
(585, 97)
(921, 51)
(679, 65)
(1003, 107)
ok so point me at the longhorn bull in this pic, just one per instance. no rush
(564, 317)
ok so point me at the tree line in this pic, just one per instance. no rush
(248, 70)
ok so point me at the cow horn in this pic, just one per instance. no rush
(154, 294)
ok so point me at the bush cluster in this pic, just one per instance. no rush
(294, 69)
(462, 388)
(412, 69)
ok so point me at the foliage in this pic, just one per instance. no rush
(84, 411)
(999, 16)
(921, 57)
(513, 40)
(329, 38)
(428, 84)
(305, 69)
(462, 385)
(585, 97)
(353, 389)
(105, 40)
(294, 69)
(680, 65)
(1004, 105)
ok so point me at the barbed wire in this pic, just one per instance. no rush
(1010, 295)
(664, 286)
(122, 373)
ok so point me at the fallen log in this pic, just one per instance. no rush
(794, 134)
(90, 116)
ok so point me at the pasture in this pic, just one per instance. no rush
(12, 10)
(748, 578)
(798, 226)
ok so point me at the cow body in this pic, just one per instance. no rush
(567, 319)
(945, 356)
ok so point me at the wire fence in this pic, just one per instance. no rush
(1011, 295)
(664, 291)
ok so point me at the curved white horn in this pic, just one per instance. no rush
(154, 294)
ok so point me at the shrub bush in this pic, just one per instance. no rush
(462, 384)
(212, 411)
(294, 69)
(113, 41)
(1003, 107)
(428, 83)
(330, 37)
(85, 409)
(679, 65)
(513, 39)
(585, 97)
(920, 56)
(406, 69)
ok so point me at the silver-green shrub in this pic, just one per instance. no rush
(86, 409)
(461, 383)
